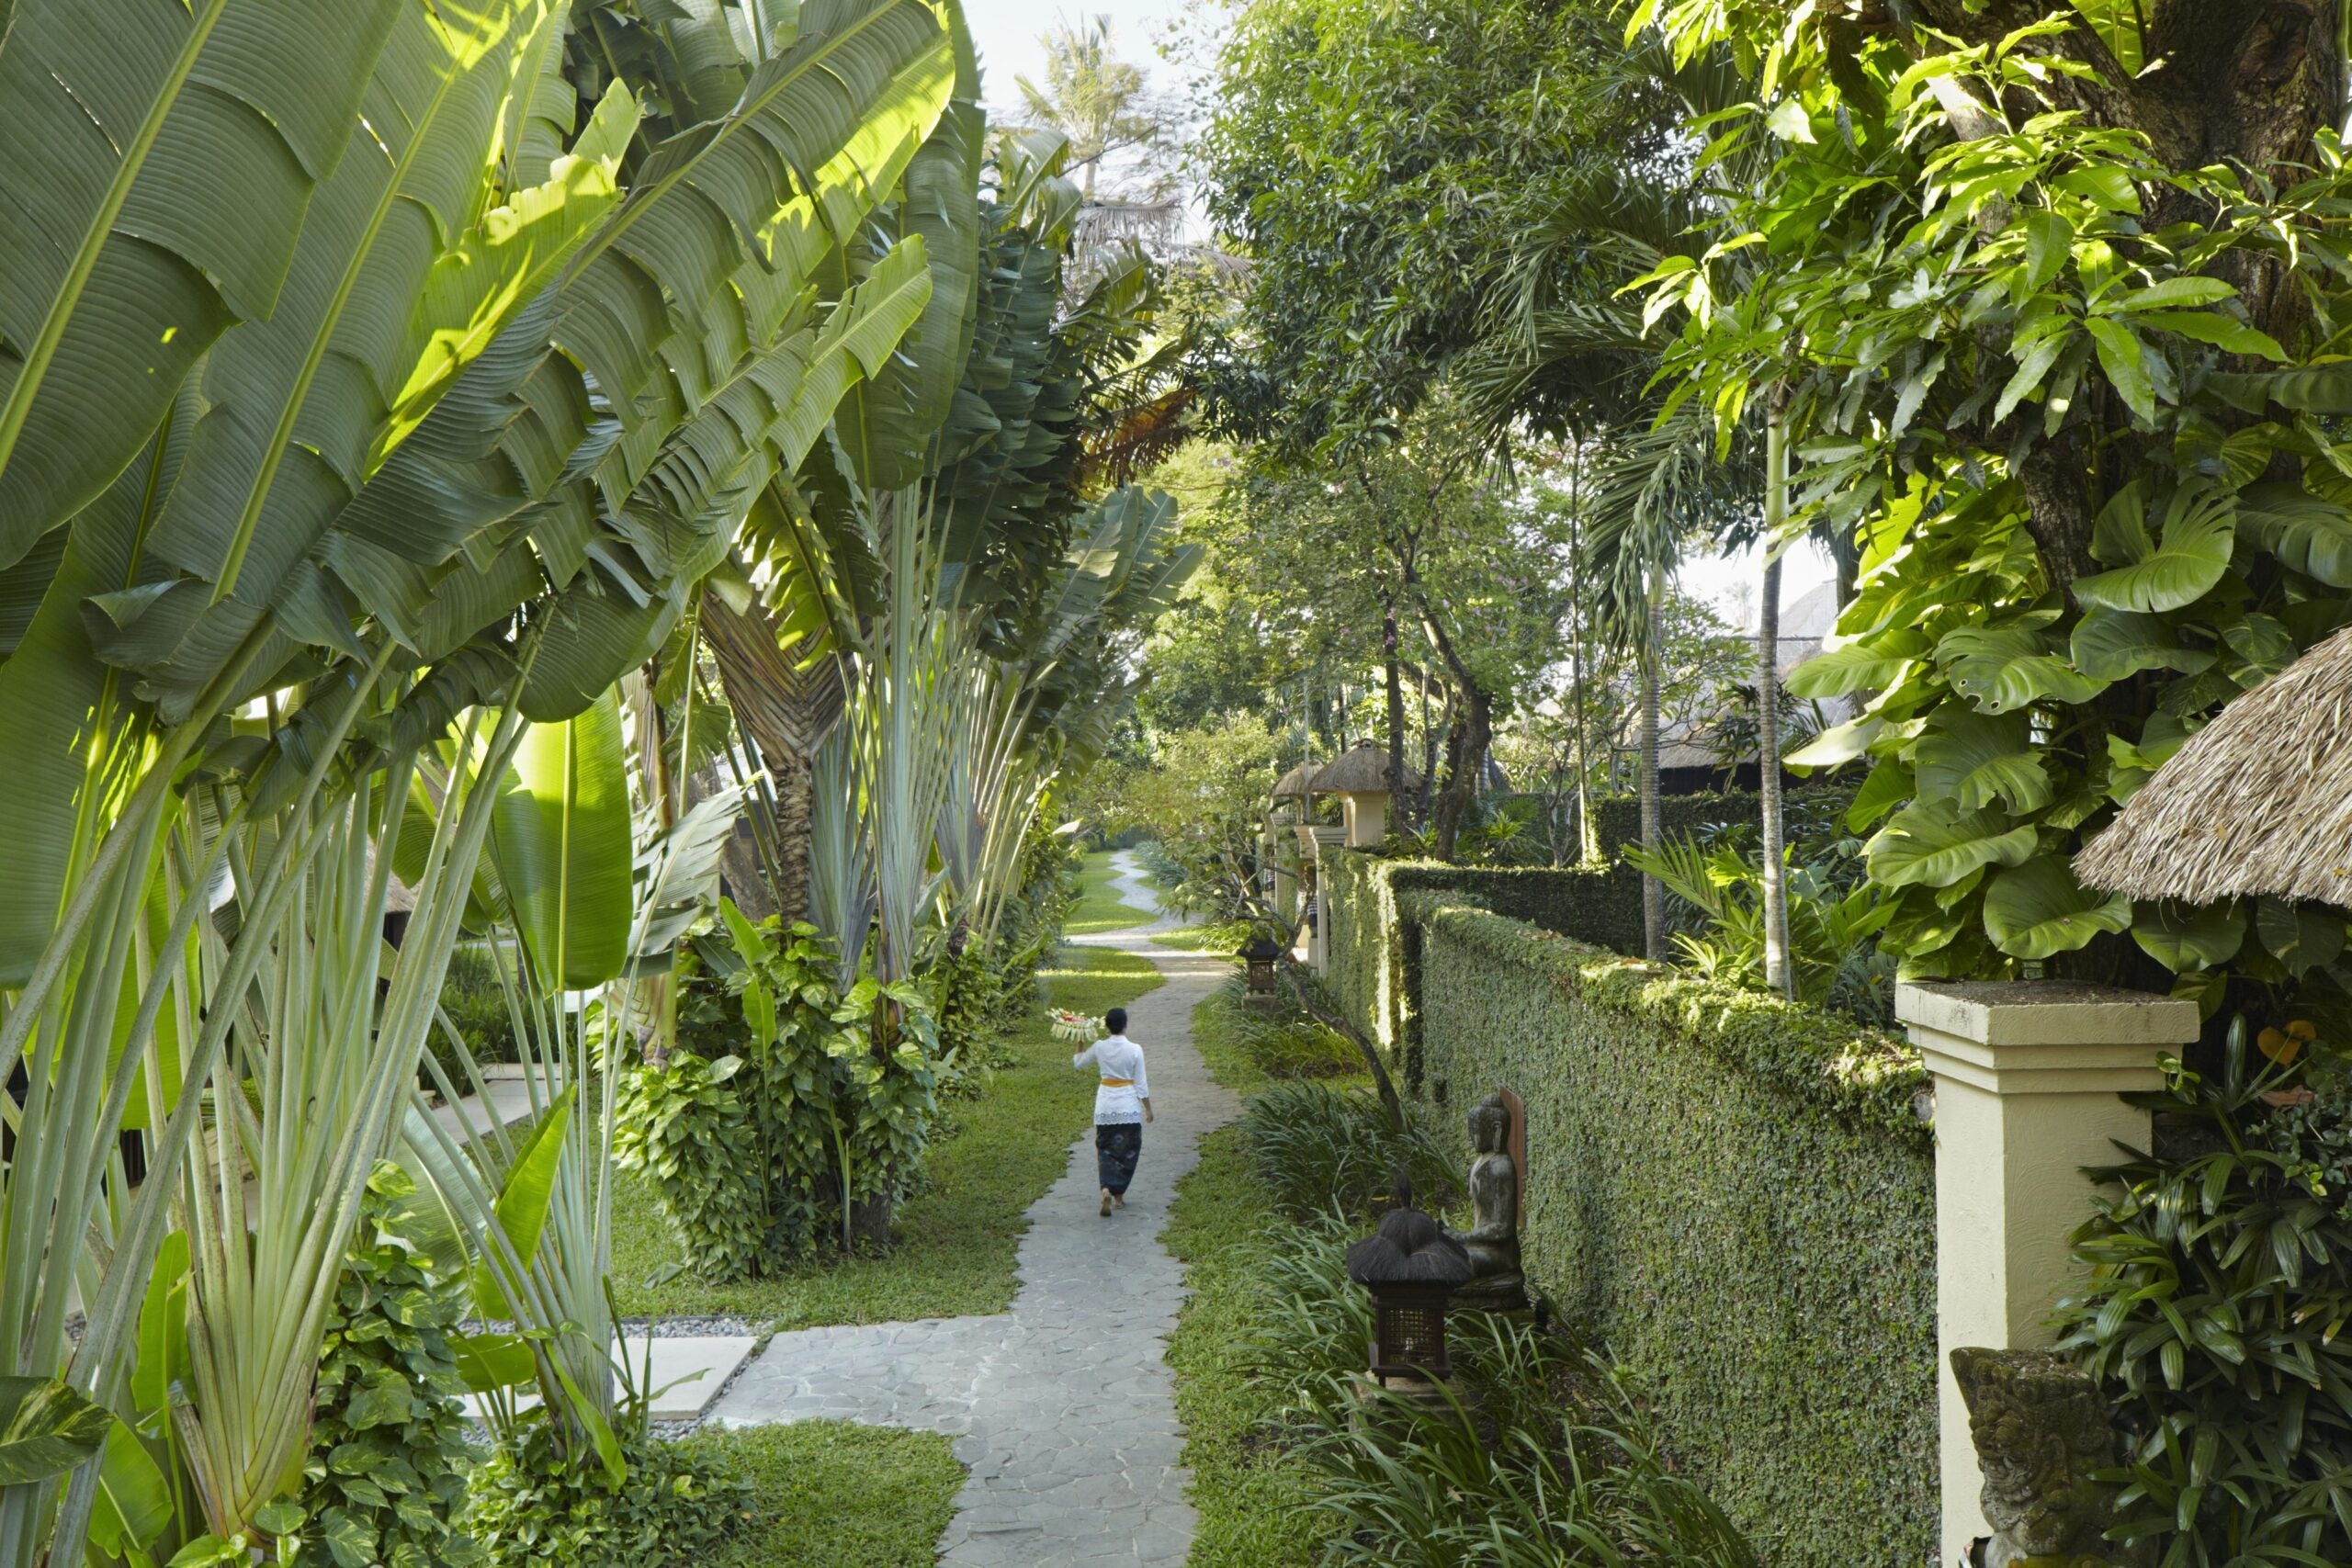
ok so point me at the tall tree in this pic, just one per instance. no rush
(1091, 98)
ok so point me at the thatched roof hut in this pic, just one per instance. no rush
(2259, 801)
(1295, 782)
(1362, 769)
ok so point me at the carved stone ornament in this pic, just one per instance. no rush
(2042, 1430)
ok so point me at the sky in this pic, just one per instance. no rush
(1007, 31)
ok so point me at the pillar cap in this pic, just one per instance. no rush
(2046, 1013)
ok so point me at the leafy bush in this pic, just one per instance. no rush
(780, 1116)
(385, 1482)
(2220, 1283)
(536, 1502)
(1551, 1464)
(1318, 1149)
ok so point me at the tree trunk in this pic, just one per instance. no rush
(1392, 688)
(1776, 974)
(1653, 891)
(1465, 759)
(1587, 836)
(788, 712)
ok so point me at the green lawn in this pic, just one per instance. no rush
(1253, 1494)
(956, 1236)
(1099, 909)
(837, 1493)
(1245, 1050)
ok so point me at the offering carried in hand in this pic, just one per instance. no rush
(1077, 1027)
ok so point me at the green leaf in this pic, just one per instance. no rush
(1933, 844)
(2002, 669)
(1889, 784)
(2226, 333)
(1974, 760)
(2176, 293)
(1789, 121)
(2183, 564)
(2124, 359)
(47, 1428)
(2183, 937)
(1868, 664)
(134, 1501)
(2036, 908)
(2309, 532)
(2114, 645)
(560, 841)
(2048, 237)
(488, 1362)
(2312, 389)
(525, 1200)
(162, 1327)
(2105, 186)
(2300, 936)
(1838, 744)
(163, 158)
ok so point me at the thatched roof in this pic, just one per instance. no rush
(2259, 801)
(1362, 769)
(1294, 782)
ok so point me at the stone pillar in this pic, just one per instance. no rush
(1367, 817)
(2026, 1079)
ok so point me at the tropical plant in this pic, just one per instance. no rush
(1318, 1149)
(2216, 1281)
(1833, 922)
(385, 1479)
(291, 481)
(780, 1119)
(2083, 460)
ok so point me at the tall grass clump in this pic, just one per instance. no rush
(1319, 1150)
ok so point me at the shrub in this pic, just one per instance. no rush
(536, 1502)
(1319, 1149)
(476, 1003)
(780, 1117)
(2220, 1283)
(384, 1481)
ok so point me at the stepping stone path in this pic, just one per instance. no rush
(1063, 1411)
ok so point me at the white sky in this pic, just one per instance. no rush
(1007, 31)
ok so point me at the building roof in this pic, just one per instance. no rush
(2257, 802)
(1362, 769)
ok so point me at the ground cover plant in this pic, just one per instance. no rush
(956, 1234)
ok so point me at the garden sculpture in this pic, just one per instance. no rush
(2041, 1431)
(1492, 1240)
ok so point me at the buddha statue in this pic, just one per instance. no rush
(1492, 1240)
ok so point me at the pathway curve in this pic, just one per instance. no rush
(1064, 1410)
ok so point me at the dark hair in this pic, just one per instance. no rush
(1115, 1020)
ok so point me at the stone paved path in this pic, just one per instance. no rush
(1063, 1411)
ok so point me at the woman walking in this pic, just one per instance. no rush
(1121, 1105)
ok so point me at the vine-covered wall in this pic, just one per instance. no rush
(1733, 1193)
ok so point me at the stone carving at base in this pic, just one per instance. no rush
(2042, 1430)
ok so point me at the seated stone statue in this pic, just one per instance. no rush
(1492, 1240)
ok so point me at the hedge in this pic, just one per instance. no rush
(1735, 1196)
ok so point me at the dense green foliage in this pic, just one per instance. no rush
(385, 1482)
(2218, 1281)
(1321, 1150)
(535, 1506)
(780, 1113)
(954, 1236)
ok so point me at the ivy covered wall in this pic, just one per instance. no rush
(1733, 1194)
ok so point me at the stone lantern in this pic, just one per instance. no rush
(1260, 952)
(1411, 1268)
(1359, 776)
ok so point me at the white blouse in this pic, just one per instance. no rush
(1116, 1058)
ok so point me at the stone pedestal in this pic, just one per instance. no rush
(1312, 841)
(1367, 818)
(2027, 1078)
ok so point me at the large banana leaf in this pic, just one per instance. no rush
(162, 160)
(560, 842)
